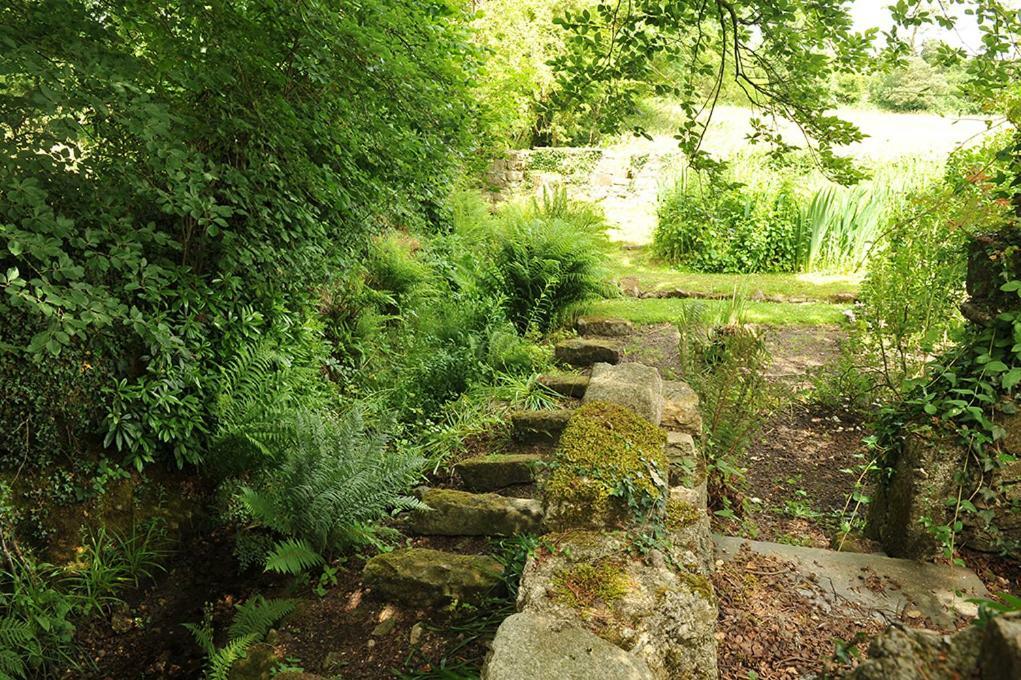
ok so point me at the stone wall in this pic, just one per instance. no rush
(606, 597)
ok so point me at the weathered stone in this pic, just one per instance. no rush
(606, 326)
(1001, 649)
(905, 654)
(571, 385)
(459, 513)
(662, 615)
(496, 471)
(530, 647)
(630, 286)
(691, 541)
(923, 475)
(687, 467)
(680, 408)
(584, 352)
(539, 427)
(632, 385)
(423, 577)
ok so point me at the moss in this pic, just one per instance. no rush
(681, 514)
(698, 584)
(586, 585)
(603, 449)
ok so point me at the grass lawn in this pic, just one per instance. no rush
(653, 275)
(669, 310)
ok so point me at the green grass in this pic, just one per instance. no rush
(669, 310)
(654, 275)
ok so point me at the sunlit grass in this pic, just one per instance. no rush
(670, 310)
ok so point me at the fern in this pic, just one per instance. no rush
(222, 659)
(292, 556)
(257, 615)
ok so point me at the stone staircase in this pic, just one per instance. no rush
(671, 607)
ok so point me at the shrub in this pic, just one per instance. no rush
(549, 262)
(732, 228)
(915, 86)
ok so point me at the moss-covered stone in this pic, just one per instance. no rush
(460, 513)
(582, 352)
(699, 585)
(605, 453)
(572, 385)
(496, 471)
(604, 325)
(588, 585)
(681, 514)
(423, 577)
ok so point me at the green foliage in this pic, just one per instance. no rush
(548, 262)
(912, 86)
(252, 620)
(334, 479)
(729, 228)
(206, 166)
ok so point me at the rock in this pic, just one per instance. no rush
(630, 286)
(571, 385)
(297, 675)
(415, 636)
(1001, 649)
(680, 408)
(421, 577)
(584, 352)
(662, 615)
(385, 627)
(605, 326)
(258, 663)
(539, 427)
(496, 471)
(906, 654)
(632, 385)
(121, 620)
(691, 542)
(529, 647)
(687, 468)
(923, 475)
(844, 298)
(460, 513)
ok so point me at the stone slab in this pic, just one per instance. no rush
(539, 427)
(680, 408)
(583, 352)
(460, 513)
(937, 592)
(497, 471)
(422, 577)
(605, 326)
(571, 385)
(532, 647)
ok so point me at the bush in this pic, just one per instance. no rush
(915, 86)
(732, 228)
(549, 262)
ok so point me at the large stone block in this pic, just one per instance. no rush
(571, 385)
(539, 427)
(421, 577)
(680, 408)
(460, 513)
(533, 647)
(634, 386)
(1001, 649)
(605, 326)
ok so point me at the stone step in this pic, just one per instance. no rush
(583, 352)
(604, 326)
(498, 470)
(461, 513)
(680, 408)
(632, 385)
(935, 592)
(539, 427)
(421, 577)
(571, 385)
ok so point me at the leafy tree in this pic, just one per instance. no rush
(913, 86)
(181, 176)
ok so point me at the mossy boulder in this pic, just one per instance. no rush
(421, 577)
(497, 471)
(539, 427)
(609, 459)
(583, 352)
(460, 513)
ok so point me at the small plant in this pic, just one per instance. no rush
(252, 620)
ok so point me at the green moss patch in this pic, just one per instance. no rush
(680, 514)
(584, 586)
(606, 451)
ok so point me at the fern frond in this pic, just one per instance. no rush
(257, 615)
(221, 660)
(292, 556)
(203, 635)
